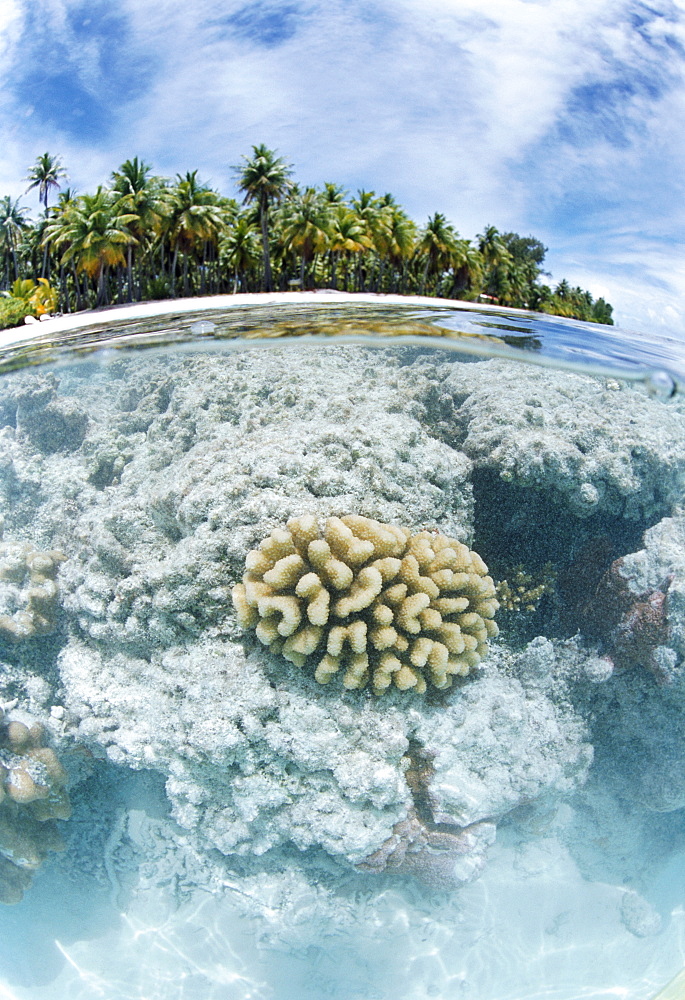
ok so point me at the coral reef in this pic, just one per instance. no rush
(555, 434)
(32, 793)
(29, 595)
(187, 462)
(50, 422)
(637, 615)
(370, 598)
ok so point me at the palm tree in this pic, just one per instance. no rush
(240, 249)
(398, 241)
(195, 217)
(12, 223)
(374, 216)
(306, 227)
(436, 248)
(467, 268)
(347, 235)
(264, 179)
(139, 195)
(95, 234)
(498, 262)
(334, 194)
(45, 174)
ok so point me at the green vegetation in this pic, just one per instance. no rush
(146, 237)
(27, 297)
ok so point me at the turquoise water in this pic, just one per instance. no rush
(197, 816)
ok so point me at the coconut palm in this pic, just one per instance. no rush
(194, 217)
(498, 263)
(374, 216)
(306, 226)
(334, 194)
(264, 180)
(139, 195)
(435, 249)
(467, 269)
(398, 241)
(45, 175)
(347, 236)
(13, 223)
(95, 234)
(240, 249)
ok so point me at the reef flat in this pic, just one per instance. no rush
(153, 477)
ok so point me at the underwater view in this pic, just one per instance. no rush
(342, 648)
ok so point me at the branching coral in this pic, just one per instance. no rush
(32, 792)
(369, 599)
(28, 590)
(522, 591)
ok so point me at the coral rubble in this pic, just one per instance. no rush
(372, 598)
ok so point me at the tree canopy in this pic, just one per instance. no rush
(148, 237)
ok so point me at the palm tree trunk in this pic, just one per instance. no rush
(203, 267)
(15, 262)
(263, 218)
(44, 268)
(129, 271)
(100, 301)
(174, 261)
(424, 277)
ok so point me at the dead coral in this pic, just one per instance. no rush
(32, 794)
(441, 855)
(630, 626)
(370, 599)
(432, 855)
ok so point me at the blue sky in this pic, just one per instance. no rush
(564, 119)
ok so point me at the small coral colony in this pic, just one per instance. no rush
(371, 600)
(32, 779)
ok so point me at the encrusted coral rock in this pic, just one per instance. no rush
(32, 792)
(369, 599)
(632, 624)
(441, 858)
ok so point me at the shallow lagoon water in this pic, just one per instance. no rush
(224, 806)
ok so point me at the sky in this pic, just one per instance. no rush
(561, 119)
